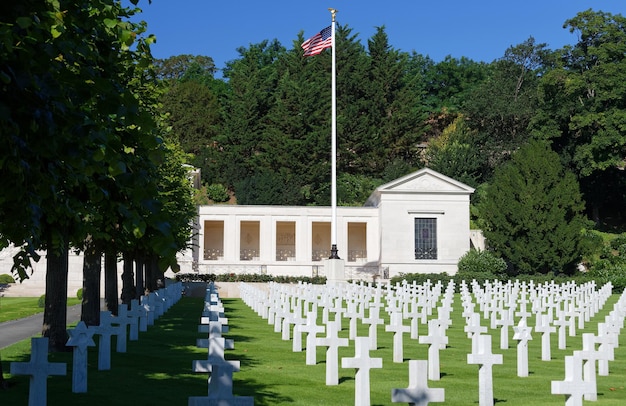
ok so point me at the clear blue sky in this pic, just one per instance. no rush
(480, 30)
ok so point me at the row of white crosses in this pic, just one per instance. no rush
(213, 324)
(504, 305)
(286, 305)
(565, 306)
(136, 319)
(580, 368)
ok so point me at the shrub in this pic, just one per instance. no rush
(619, 244)
(217, 192)
(616, 274)
(42, 301)
(79, 294)
(6, 278)
(477, 262)
(591, 244)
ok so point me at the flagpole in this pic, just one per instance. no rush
(333, 195)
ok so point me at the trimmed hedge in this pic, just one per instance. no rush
(616, 275)
(232, 277)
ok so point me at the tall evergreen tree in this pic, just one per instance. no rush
(242, 145)
(299, 125)
(194, 115)
(532, 212)
(395, 112)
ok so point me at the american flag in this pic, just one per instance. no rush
(319, 42)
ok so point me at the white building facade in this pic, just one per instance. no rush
(416, 224)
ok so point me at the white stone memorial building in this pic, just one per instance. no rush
(415, 224)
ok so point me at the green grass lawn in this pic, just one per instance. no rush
(12, 308)
(156, 370)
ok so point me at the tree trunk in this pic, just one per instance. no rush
(110, 282)
(92, 268)
(159, 274)
(55, 311)
(128, 289)
(150, 275)
(3, 383)
(141, 269)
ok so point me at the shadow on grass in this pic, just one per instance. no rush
(345, 379)
(263, 395)
(155, 370)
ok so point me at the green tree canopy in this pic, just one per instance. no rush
(582, 107)
(500, 108)
(180, 66)
(532, 212)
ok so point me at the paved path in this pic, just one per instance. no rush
(14, 331)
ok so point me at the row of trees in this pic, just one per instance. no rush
(263, 130)
(85, 161)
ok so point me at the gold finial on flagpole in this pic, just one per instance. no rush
(333, 11)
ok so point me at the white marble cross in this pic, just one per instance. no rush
(523, 313)
(286, 328)
(148, 304)
(140, 312)
(418, 393)
(474, 330)
(280, 313)
(415, 314)
(607, 343)
(362, 362)
(215, 330)
(589, 355)
(505, 321)
(574, 387)
(354, 315)
(485, 359)
(561, 322)
(215, 356)
(373, 320)
(571, 314)
(311, 329)
(221, 389)
(105, 330)
(339, 310)
(436, 340)
(157, 302)
(398, 329)
(123, 320)
(332, 341)
(39, 369)
(545, 329)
